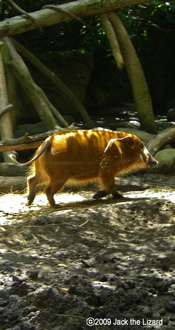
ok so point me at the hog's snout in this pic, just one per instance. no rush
(152, 162)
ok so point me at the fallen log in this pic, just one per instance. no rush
(22, 146)
(10, 184)
(9, 169)
(156, 143)
(30, 142)
(22, 143)
(159, 141)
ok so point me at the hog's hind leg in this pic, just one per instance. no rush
(51, 189)
(32, 181)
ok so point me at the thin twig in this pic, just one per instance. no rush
(84, 223)
(69, 13)
(23, 12)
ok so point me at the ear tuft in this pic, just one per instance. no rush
(128, 141)
(110, 144)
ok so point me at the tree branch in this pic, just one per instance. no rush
(107, 25)
(47, 17)
(31, 142)
(23, 12)
(72, 16)
(5, 109)
(52, 77)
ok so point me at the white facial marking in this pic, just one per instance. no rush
(146, 152)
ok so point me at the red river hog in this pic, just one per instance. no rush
(82, 156)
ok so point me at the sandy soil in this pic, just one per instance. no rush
(103, 264)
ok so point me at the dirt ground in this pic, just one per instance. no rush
(103, 264)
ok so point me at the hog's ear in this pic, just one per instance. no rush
(117, 143)
(111, 145)
(129, 141)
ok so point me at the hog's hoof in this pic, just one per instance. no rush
(30, 199)
(102, 193)
(56, 206)
(116, 195)
(99, 194)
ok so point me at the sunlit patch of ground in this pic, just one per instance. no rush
(167, 194)
(13, 206)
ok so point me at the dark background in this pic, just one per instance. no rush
(69, 49)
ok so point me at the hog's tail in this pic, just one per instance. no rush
(45, 145)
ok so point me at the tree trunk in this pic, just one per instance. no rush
(52, 77)
(107, 25)
(46, 17)
(6, 128)
(13, 98)
(136, 75)
(34, 92)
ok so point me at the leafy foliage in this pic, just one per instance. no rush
(151, 27)
(140, 21)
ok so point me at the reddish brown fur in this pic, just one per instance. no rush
(84, 155)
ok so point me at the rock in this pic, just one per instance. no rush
(171, 114)
(74, 69)
(166, 159)
(144, 136)
(32, 129)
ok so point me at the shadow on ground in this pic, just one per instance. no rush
(111, 261)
